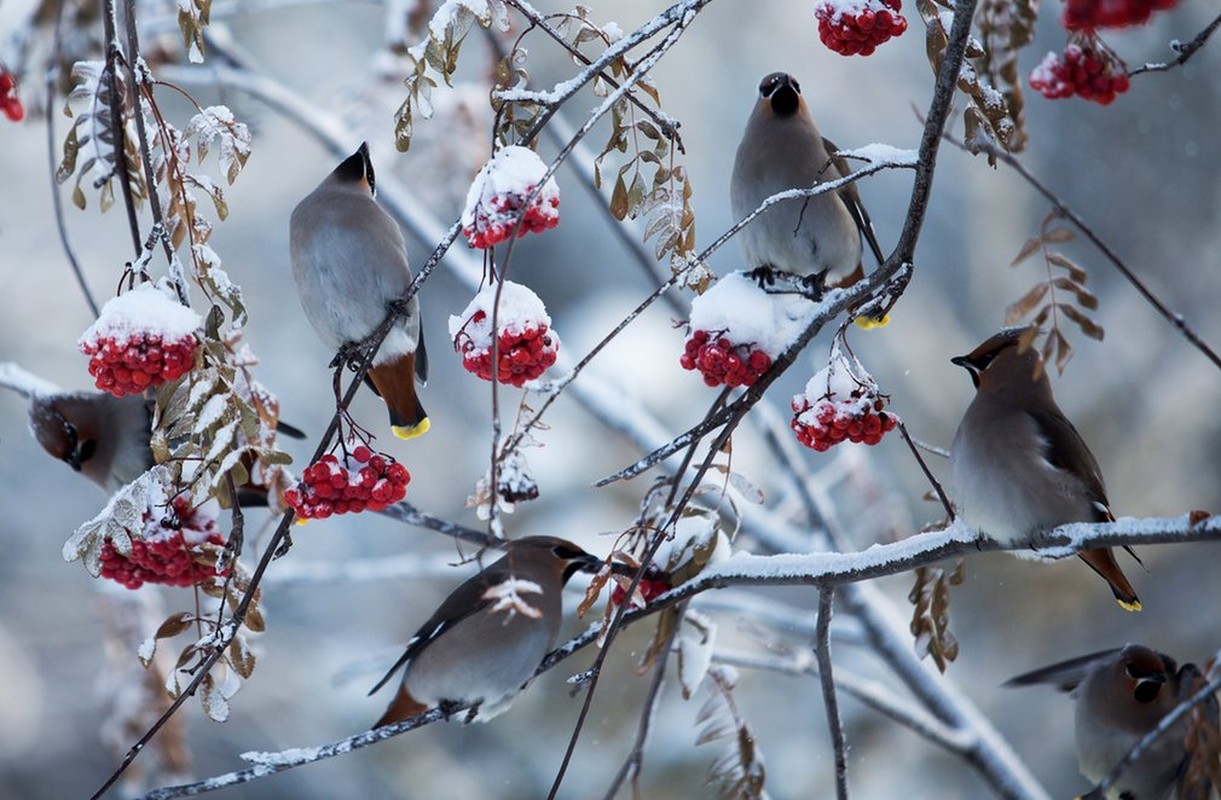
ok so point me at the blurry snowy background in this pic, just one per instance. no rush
(1143, 172)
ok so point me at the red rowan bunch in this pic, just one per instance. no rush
(330, 487)
(857, 27)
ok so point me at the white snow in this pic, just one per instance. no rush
(520, 308)
(514, 170)
(879, 153)
(23, 381)
(749, 315)
(144, 310)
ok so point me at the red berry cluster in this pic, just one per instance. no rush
(169, 552)
(523, 354)
(10, 103)
(648, 588)
(1088, 15)
(129, 364)
(1087, 70)
(328, 487)
(721, 361)
(857, 28)
(497, 216)
(825, 424)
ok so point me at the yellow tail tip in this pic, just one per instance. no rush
(405, 432)
(1129, 605)
(300, 520)
(869, 323)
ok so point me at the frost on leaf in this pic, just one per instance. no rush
(122, 517)
(506, 598)
(90, 146)
(738, 772)
(931, 617)
(436, 57)
(192, 19)
(994, 116)
(1059, 297)
(695, 645)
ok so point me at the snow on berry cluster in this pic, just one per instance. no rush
(1088, 15)
(329, 486)
(738, 329)
(496, 201)
(10, 103)
(1087, 69)
(839, 404)
(169, 551)
(857, 27)
(142, 339)
(526, 345)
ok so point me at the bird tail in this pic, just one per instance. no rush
(1102, 561)
(404, 706)
(394, 381)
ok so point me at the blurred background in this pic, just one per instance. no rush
(1142, 172)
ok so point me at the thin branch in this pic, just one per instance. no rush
(1176, 320)
(872, 693)
(1185, 51)
(822, 650)
(667, 126)
(635, 759)
(911, 444)
(114, 55)
(57, 201)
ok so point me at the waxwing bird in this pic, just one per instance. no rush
(103, 437)
(1120, 695)
(1017, 465)
(474, 652)
(350, 263)
(781, 149)
(107, 438)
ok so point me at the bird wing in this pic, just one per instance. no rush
(464, 601)
(1066, 675)
(421, 355)
(1066, 450)
(1194, 777)
(852, 199)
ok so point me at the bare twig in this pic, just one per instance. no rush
(822, 650)
(635, 759)
(911, 444)
(1185, 51)
(57, 201)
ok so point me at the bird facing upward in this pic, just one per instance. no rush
(470, 653)
(1120, 696)
(350, 262)
(782, 149)
(1018, 466)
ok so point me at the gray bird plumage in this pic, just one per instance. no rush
(782, 149)
(470, 654)
(1017, 465)
(349, 261)
(1120, 695)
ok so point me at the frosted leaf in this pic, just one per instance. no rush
(507, 598)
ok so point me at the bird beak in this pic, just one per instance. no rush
(965, 363)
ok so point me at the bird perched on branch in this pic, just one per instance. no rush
(1121, 695)
(487, 639)
(1017, 465)
(350, 263)
(818, 237)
